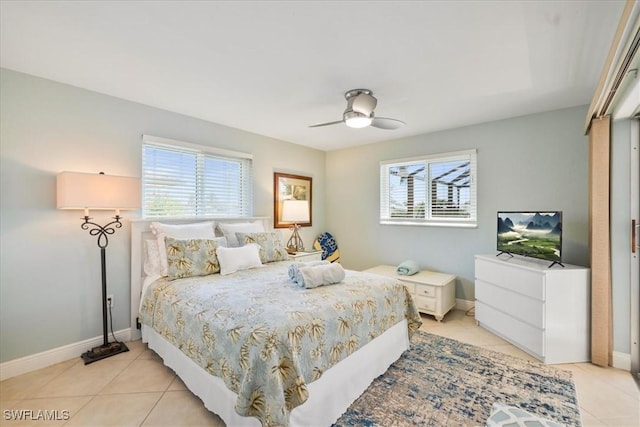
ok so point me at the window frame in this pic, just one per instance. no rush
(385, 217)
(202, 152)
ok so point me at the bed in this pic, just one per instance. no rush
(257, 348)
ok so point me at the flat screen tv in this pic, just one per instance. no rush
(535, 234)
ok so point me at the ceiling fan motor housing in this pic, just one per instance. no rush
(360, 101)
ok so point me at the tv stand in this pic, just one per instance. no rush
(556, 262)
(512, 256)
(505, 252)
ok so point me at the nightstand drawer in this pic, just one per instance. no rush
(306, 256)
(425, 304)
(425, 291)
(411, 287)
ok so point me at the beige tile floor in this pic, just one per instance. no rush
(136, 389)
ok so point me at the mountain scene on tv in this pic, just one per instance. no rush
(533, 234)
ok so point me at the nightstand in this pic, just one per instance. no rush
(433, 293)
(306, 256)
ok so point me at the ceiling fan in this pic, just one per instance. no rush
(359, 112)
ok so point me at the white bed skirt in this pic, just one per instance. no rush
(329, 397)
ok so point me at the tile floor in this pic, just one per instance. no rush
(136, 389)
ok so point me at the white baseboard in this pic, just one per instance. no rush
(464, 304)
(621, 360)
(37, 361)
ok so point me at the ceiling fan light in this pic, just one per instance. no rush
(357, 120)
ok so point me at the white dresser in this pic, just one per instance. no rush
(544, 311)
(433, 293)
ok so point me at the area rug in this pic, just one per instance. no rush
(443, 382)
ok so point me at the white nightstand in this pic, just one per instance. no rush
(433, 293)
(306, 256)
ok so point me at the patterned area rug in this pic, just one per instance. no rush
(443, 382)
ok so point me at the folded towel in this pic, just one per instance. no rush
(294, 269)
(319, 275)
(408, 267)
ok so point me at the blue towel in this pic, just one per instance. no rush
(408, 267)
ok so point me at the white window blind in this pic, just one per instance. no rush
(181, 180)
(429, 190)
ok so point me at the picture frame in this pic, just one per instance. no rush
(290, 187)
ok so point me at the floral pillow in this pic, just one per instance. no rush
(196, 230)
(271, 247)
(192, 257)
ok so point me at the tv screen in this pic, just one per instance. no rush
(531, 234)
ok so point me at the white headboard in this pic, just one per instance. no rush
(140, 231)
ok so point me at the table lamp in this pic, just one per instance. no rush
(295, 211)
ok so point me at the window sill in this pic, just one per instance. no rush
(431, 223)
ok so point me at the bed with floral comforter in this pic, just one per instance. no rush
(267, 337)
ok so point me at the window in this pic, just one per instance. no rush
(181, 180)
(429, 190)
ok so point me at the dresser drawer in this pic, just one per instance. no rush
(530, 283)
(525, 335)
(425, 304)
(425, 291)
(529, 310)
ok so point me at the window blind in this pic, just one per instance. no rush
(429, 190)
(182, 179)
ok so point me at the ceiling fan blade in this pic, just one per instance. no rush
(363, 103)
(385, 123)
(326, 124)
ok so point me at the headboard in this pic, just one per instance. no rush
(140, 231)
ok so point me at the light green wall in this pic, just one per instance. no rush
(49, 267)
(537, 162)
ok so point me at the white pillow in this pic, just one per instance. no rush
(151, 265)
(196, 230)
(240, 258)
(229, 230)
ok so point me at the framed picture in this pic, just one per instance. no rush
(294, 190)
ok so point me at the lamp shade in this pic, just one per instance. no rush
(76, 190)
(295, 211)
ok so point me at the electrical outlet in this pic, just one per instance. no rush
(110, 301)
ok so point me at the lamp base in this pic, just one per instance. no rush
(294, 244)
(104, 351)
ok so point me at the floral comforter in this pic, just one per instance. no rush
(267, 337)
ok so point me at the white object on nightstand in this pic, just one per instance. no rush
(306, 256)
(433, 293)
(544, 311)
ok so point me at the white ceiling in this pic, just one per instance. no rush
(276, 67)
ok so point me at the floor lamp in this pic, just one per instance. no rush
(86, 191)
(295, 211)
